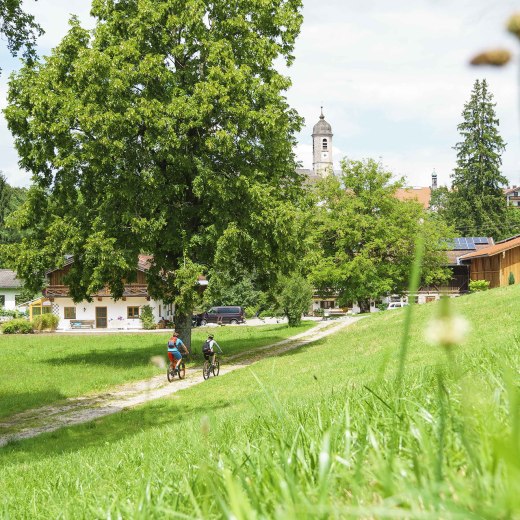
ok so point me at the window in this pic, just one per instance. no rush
(2, 300)
(69, 313)
(18, 299)
(324, 144)
(132, 312)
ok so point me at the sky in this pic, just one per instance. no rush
(392, 78)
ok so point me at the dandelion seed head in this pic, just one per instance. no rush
(513, 24)
(447, 331)
(158, 361)
(495, 57)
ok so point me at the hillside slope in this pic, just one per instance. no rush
(325, 432)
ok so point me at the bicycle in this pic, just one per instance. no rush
(210, 368)
(180, 371)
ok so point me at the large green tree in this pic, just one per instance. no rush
(11, 199)
(19, 28)
(362, 246)
(476, 203)
(164, 130)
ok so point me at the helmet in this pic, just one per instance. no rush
(210, 336)
(175, 334)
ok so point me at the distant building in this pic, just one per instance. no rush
(10, 288)
(495, 263)
(322, 164)
(460, 275)
(421, 195)
(512, 196)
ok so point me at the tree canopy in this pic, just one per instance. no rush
(476, 203)
(11, 198)
(164, 130)
(363, 241)
(19, 28)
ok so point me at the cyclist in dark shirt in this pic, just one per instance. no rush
(209, 349)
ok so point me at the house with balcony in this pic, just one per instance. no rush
(103, 312)
(512, 195)
(460, 274)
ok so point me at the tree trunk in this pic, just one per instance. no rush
(364, 305)
(183, 327)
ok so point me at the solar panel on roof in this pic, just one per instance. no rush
(464, 243)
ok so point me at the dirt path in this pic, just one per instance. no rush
(78, 410)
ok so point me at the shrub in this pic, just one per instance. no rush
(295, 298)
(478, 285)
(12, 314)
(250, 312)
(147, 317)
(511, 279)
(17, 326)
(45, 322)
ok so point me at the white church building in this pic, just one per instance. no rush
(321, 151)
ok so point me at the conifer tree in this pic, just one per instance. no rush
(476, 203)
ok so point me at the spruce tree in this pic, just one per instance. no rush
(476, 204)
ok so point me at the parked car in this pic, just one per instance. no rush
(224, 314)
(396, 305)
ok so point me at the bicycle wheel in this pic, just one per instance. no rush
(206, 370)
(216, 367)
(170, 374)
(182, 370)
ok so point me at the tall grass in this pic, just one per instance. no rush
(312, 434)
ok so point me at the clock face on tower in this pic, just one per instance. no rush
(324, 155)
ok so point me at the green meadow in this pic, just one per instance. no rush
(40, 369)
(325, 431)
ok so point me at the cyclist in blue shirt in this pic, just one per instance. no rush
(175, 347)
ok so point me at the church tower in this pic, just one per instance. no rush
(322, 147)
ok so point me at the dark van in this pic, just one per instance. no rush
(225, 314)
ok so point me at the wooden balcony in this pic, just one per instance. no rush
(62, 291)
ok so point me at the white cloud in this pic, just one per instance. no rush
(392, 77)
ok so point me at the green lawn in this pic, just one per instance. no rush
(322, 432)
(41, 369)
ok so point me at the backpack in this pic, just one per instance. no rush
(206, 347)
(171, 343)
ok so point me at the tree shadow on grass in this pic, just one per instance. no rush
(126, 357)
(304, 348)
(120, 357)
(126, 423)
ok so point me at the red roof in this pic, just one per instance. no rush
(421, 195)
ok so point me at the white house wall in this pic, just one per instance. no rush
(9, 295)
(117, 311)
